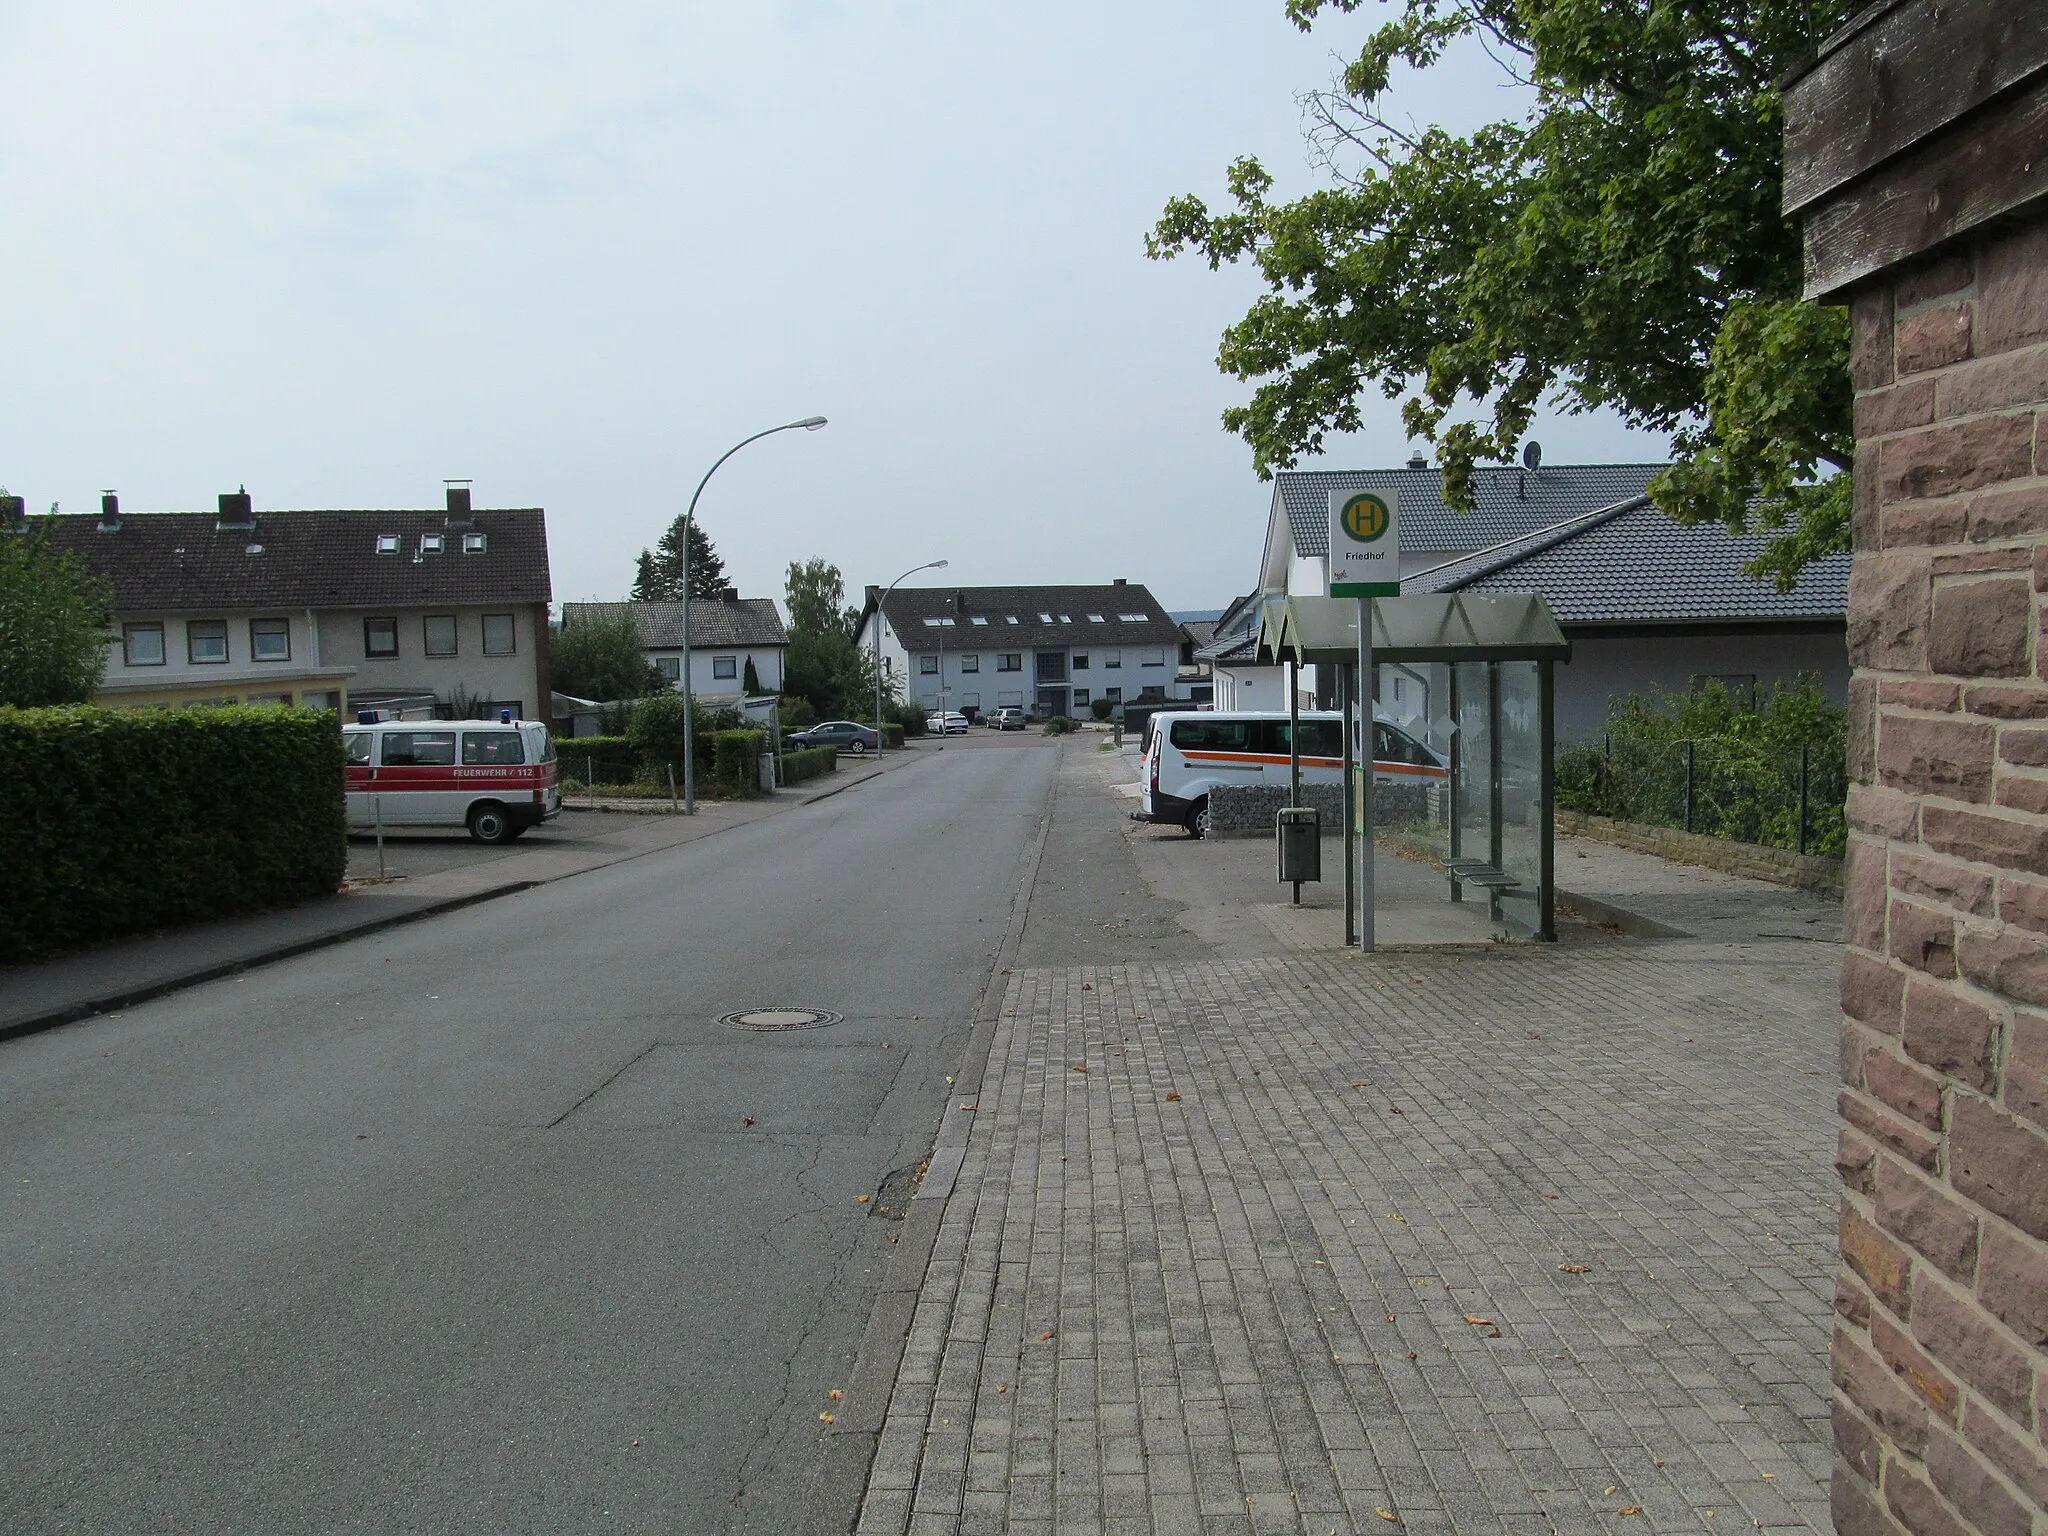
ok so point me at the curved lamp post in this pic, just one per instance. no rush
(809, 424)
(935, 565)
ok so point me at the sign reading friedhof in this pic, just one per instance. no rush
(1365, 543)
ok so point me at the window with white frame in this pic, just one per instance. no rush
(142, 645)
(1112, 659)
(270, 640)
(380, 638)
(206, 641)
(387, 543)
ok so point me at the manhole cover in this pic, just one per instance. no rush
(782, 1018)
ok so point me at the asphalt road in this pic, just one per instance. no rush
(484, 1224)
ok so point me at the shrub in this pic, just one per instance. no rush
(736, 761)
(801, 763)
(126, 821)
(892, 733)
(1745, 758)
(601, 657)
(1100, 708)
(1059, 725)
(605, 760)
(656, 732)
(797, 714)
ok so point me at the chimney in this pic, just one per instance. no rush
(13, 513)
(730, 594)
(1417, 459)
(237, 509)
(110, 512)
(874, 596)
(1121, 582)
(459, 514)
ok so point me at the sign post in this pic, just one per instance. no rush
(1365, 563)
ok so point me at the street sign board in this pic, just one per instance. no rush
(1365, 543)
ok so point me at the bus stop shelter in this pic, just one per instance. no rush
(1471, 676)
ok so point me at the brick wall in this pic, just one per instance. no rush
(1941, 1407)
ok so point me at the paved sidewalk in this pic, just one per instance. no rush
(1536, 1240)
(126, 971)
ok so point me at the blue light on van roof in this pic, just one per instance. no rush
(504, 717)
(366, 717)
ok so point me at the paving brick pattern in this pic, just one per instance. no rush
(1254, 1307)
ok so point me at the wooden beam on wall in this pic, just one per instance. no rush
(1890, 82)
(1993, 165)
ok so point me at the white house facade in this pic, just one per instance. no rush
(414, 613)
(1048, 650)
(728, 634)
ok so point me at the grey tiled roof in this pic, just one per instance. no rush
(183, 562)
(1070, 607)
(742, 621)
(1632, 564)
(1509, 502)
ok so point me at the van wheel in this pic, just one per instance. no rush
(1198, 818)
(490, 824)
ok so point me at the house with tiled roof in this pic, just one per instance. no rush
(1049, 650)
(1651, 604)
(729, 635)
(413, 612)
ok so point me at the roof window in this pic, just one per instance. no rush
(1096, 618)
(979, 621)
(1134, 618)
(475, 543)
(432, 543)
(387, 543)
(931, 623)
(1009, 618)
(1045, 618)
(1066, 618)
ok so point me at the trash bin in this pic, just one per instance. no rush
(1298, 842)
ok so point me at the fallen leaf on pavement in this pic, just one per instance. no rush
(860, 1199)
(746, 1119)
(1080, 1069)
(1045, 1335)
(1087, 986)
(1387, 1515)
(1573, 1269)
(1002, 1386)
(1493, 1333)
(1394, 1110)
(1630, 1509)
(1390, 1317)
(1610, 1490)
(1477, 1321)
(835, 1394)
(826, 1418)
(1173, 1098)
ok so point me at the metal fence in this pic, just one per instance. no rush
(1751, 792)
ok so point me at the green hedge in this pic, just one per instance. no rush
(801, 763)
(603, 760)
(126, 821)
(736, 761)
(892, 734)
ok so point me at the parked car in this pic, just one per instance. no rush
(1009, 718)
(845, 735)
(951, 723)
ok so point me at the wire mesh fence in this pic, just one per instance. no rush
(1752, 792)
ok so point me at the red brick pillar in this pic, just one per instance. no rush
(1941, 1407)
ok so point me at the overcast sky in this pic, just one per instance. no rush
(341, 252)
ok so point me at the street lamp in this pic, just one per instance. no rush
(809, 424)
(880, 734)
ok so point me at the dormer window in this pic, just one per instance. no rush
(1096, 618)
(387, 543)
(475, 543)
(432, 543)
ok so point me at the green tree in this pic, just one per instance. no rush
(54, 614)
(815, 594)
(1620, 244)
(824, 663)
(602, 657)
(658, 576)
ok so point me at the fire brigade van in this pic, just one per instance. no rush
(1189, 754)
(495, 777)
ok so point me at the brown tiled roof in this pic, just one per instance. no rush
(713, 621)
(184, 561)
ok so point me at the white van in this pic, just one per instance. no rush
(1190, 754)
(495, 777)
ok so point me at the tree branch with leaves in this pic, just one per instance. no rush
(1619, 245)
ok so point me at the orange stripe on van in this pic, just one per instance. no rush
(1382, 765)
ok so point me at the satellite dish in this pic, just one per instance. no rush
(1532, 455)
